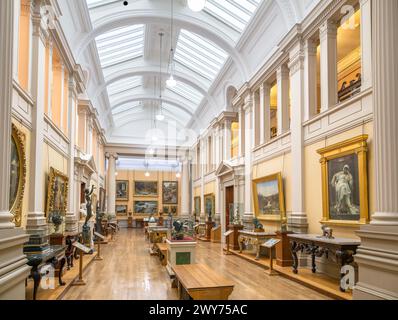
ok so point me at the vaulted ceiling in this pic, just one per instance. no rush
(127, 56)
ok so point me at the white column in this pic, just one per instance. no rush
(241, 119)
(202, 178)
(265, 102)
(366, 43)
(310, 80)
(227, 139)
(111, 183)
(72, 217)
(185, 189)
(6, 72)
(378, 254)
(298, 219)
(282, 75)
(17, 12)
(36, 221)
(13, 268)
(262, 115)
(328, 37)
(256, 118)
(248, 110)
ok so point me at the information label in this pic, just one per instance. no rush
(226, 234)
(82, 247)
(99, 235)
(271, 243)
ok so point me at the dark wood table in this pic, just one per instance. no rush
(340, 250)
(54, 255)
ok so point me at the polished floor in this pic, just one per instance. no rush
(128, 272)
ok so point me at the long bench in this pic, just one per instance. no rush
(200, 282)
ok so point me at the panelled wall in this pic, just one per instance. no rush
(313, 92)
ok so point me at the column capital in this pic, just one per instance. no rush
(112, 155)
(328, 28)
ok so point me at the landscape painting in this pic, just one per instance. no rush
(146, 188)
(170, 192)
(121, 210)
(268, 197)
(146, 207)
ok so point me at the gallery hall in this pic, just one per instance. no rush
(236, 150)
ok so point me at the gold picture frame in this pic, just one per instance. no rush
(197, 206)
(271, 188)
(344, 168)
(57, 192)
(122, 190)
(18, 174)
(210, 199)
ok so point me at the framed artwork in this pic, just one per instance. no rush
(146, 207)
(268, 197)
(197, 205)
(121, 210)
(166, 209)
(170, 192)
(345, 182)
(17, 174)
(57, 192)
(102, 199)
(174, 210)
(146, 188)
(210, 200)
(122, 190)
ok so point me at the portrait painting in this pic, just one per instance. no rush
(170, 192)
(122, 190)
(344, 182)
(146, 188)
(174, 210)
(210, 205)
(121, 210)
(197, 205)
(57, 192)
(268, 197)
(17, 175)
(145, 207)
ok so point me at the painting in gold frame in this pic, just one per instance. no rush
(210, 205)
(345, 182)
(17, 174)
(197, 206)
(122, 190)
(268, 198)
(57, 192)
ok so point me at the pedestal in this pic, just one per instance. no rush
(180, 253)
(235, 229)
(283, 252)
(57, 239)
(209, 227)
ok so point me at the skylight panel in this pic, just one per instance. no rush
(200, 55)
(235, 13)
(92, 4)
(120, 88)
(130, 108)
(120, 45)
(187, 92)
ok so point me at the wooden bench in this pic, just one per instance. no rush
(162, 250)
(201, 282)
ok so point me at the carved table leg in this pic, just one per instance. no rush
(61, 267)
(258, 247)
(293, 246)
(240, 242)
(313, 264)
(35, 273)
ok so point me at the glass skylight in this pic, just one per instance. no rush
(123, 87)
(120, 45)
(92, 4)
(199, 54)
(235, 13)
(187, 92)
(130, 108)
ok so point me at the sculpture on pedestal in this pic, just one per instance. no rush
(89, 210)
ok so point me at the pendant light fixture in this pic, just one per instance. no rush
(160, 115)
(196, 5)
(171, 82)
(147, 174)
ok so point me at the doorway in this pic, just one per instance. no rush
(229, 199)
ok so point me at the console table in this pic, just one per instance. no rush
(54, 255)
(254, 238)
(339, 249)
